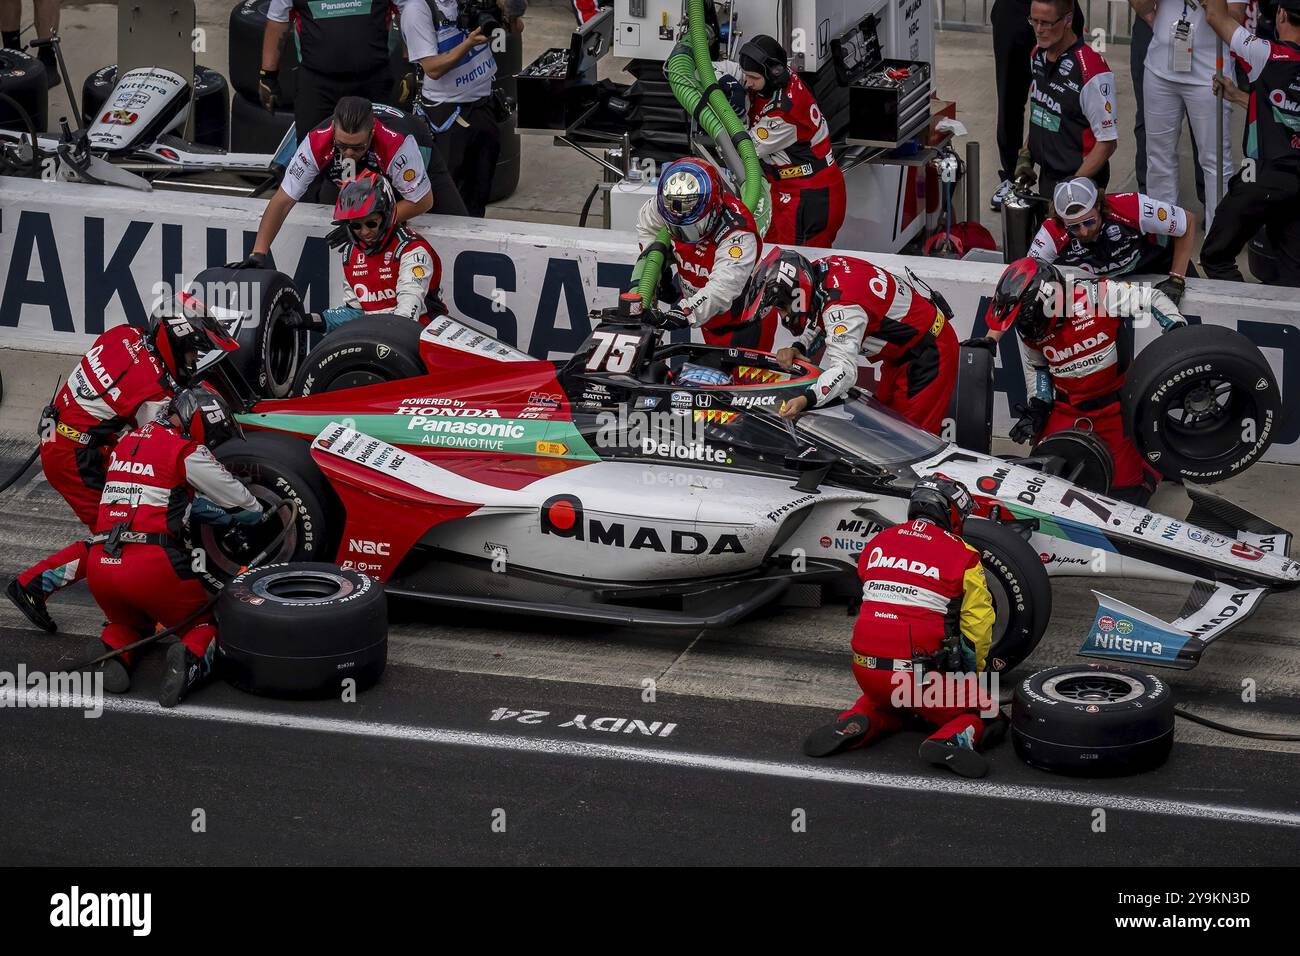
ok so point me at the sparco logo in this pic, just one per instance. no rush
(878, 559)
(562, 515)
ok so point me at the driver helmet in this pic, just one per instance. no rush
(700, 375)
(1028, 296)
(204, 415)
(362, 198)
(176, 333)
(689, 199)
(787, 282)
(941, 500)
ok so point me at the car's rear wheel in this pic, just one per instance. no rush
(1078, 456)
(365, 351)
(1020, 587)
(270, 345)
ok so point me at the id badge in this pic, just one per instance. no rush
(1180, 47)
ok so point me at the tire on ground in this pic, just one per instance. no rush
(276, 467)
(1093, 720)
(253, 129)
(298, 630)
(247, 24)
(1202, 403)
(971, 408)
(1022, 592)
(1084, 459)
(270, 350)
(23, 78)
(365, 351)
(211, 103)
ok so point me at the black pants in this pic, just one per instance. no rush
(1137, 53)
(318, 94)
(471, 146)
(1013, 42)
(1271, 201)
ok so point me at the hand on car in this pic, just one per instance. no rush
(793, 408)
(786, 357)
(1174, 287)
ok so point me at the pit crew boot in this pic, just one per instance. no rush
(835, 738)
(995, 731)
(957, 753)
(183, 672)
(32, 604)
(117, 679)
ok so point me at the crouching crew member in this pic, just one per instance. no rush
(123, 380)
(161, 478)
(714, 249)
(863, 310)
(924, 603)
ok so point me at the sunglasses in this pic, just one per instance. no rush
(370, 222)
(1083, 225)
(1043, 24)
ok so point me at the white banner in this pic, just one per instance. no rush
(78, 259)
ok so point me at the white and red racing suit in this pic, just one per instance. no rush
(921, 585)
(1134, 237)
(713, 274)
(402, 279)
(793, 142)
(869, 311)
(391, 154)
(1077, 368)
(118, 383)
(153, 477)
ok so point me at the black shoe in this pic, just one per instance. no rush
(837, 737)
(33, 605)
(954, 754)
(117, 679)
(995, 730)
(184, 671)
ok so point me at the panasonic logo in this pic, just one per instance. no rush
(482, 429)
(878, 559)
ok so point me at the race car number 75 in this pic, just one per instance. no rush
(614, 352)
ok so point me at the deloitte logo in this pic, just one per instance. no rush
(696, 451)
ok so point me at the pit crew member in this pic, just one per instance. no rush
(1117, 234)
(863, 310)
(925, 604)
(1074, 370)
(161, 478)
(713, 250)
(387, 268)
(123, 380)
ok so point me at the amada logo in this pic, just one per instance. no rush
(878, 559)
(563, 516)
(1279, 99)
(131, 467)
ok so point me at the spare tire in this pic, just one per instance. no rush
(1084, 459)
(365, 351)
(247, 25)
(510, 61)
(23, 77)
(971, 408)
(1093, 720)
(269, 348)
(1202, 403)
(211, 103)
(299, 630)
(253, 129)
(1021, 590)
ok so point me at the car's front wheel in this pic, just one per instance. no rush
(1020, 587)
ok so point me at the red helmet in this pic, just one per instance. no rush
(174, 334)
(1028, 296)
(788, 282)
(689, 199)
(360, 199)
(942, 500)
(205, 417)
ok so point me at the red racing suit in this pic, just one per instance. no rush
(153, 475)
(118, 383)
(793, 142)
(391, 154)
(920, 585)
(871, 312)
(1077, 368)
(1134, 237)
(404, 279)
(713, 274)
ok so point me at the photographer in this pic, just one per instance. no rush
(453, 42)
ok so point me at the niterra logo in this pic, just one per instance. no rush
(76, 909)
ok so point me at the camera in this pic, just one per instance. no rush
(479, 15)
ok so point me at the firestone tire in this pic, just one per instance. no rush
(253, 129)
(365, 351)
(1093, 720)
(23, 78)
(270, 348)
(1021, 589)
(1084, 459)
(1202, 403)
(971, 409)
(298, 630)
(247, 24)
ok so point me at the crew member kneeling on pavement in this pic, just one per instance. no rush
(793, 142)
(161, 479)
(714, 249)
(925, 604)
(387, 268)
(1116, 235)
(861, 309)
(123, 380)
(1070, 336)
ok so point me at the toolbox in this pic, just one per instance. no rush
(889, 100)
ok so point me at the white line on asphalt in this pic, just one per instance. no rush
(676, 758)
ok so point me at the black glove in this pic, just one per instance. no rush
(408, 86)
(338, 237)
(268, 89)
(1174, 287)
(673, 319)
(311, 321)
(1024, 171)
(1032, 420)
(254, 260)
(984, 342)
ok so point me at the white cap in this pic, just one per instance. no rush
(1074, 197)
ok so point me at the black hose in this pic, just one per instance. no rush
(586, 206)
(22, 469)
(1235, 731)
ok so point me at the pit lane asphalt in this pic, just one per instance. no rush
(413, 772)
